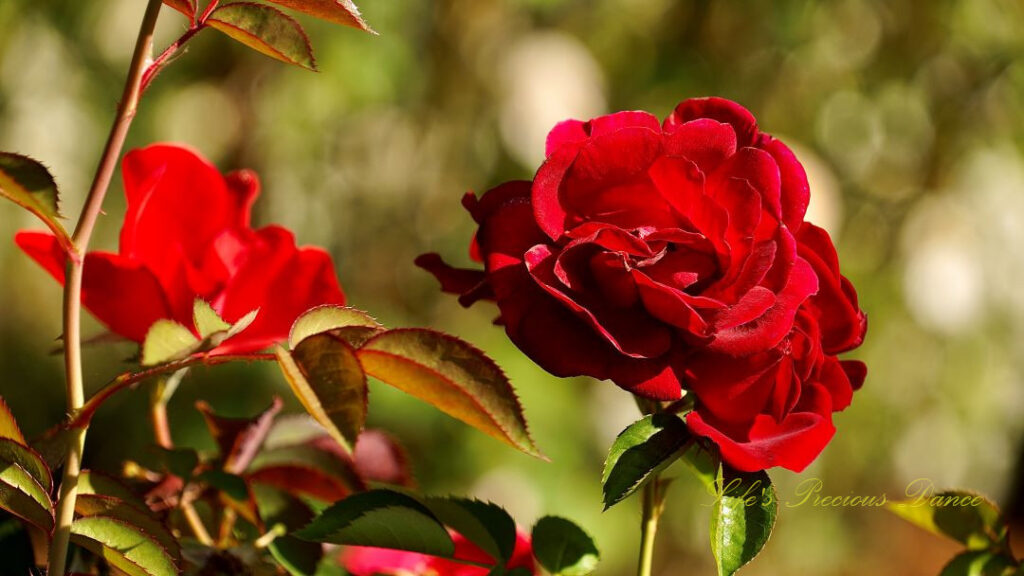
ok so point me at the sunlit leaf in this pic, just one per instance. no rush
(29, 184)
(338, 11)
(979, 563)
(239, 439)
(265, 29)
(742, 519)
(27, 458)
(453, 376)
(167, 341)
(8, 425)
(125, 547)
(90, 482)
(23, 496)
(643, 449)
(328, 379)
(109, 506)
(563, 548)
(485, 524)
(384, 519)
(964, 516)
(206, 319)
(329, 318)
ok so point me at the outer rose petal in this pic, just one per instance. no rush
(793, 443)
(796, 192)
(122, 293)
(720, 109)
(522, 557)
(282, 281)
(178, 203)
(843, 324)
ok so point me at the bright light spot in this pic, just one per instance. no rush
(548, 77)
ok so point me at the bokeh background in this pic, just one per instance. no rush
(908, 114)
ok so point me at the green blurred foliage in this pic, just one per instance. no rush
(909, 115)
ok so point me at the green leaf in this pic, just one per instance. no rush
(265, 29)
(230, 484)
(452, 375)
(180, 462)
(563, 548)
(643, 449)
(29, 184)
(485, 524)
(27, 458)
(206, 319)
(338, 11)
(23, 496)
(8, 425)
(384, 519)
(964, 516)
(167, 341)
(327, 377)
(90, 482)
(125, 547)
(275, 507)
(742, 519)
(704, 465)
(979, 563)
(329, 318)
(109, 506)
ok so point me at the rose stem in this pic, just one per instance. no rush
(652, 504)
(73, 285)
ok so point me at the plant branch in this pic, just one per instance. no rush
(164, 58)
(82, 417)
(652, 505)
(65, 510)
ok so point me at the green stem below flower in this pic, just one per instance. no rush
(65, 510)
(652, 506)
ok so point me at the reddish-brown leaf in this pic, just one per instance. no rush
(342, 12)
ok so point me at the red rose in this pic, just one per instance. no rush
(638, 243)
(364, 561)
(187, 235)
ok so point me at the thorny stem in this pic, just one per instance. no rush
(164, 58)
(65, 510)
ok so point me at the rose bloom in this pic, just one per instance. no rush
(654, 254)
(186, 235)
(365, 561)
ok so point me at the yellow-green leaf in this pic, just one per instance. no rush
(206, 319)
(124, 546)
(27, 458)
(452, 375)
(342, 12)
(326, 376)
(265, 29)
(328, 318)
(167, 341)
(110, 506)
(8, 425)
(23, 496)
(29, 184)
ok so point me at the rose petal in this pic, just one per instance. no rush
(121, 293)
(795, 191)
(720, 109)
(705, 142)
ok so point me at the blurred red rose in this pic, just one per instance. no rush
(670, 256)
(186, 235)
(363, 561)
